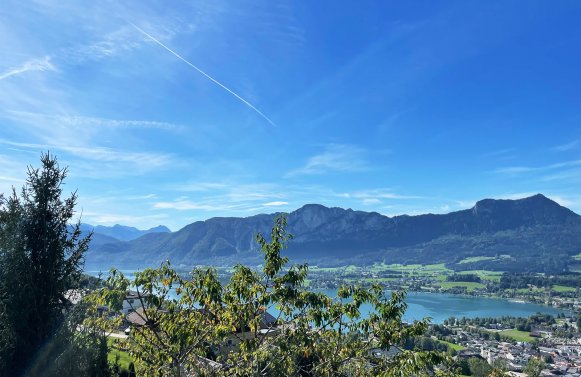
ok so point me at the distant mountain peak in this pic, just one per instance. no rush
(123, 232)
(312, 207)
(159, 229)
(537, 198)
(536, 209)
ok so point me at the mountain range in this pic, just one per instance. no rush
(530, 234)
(122, 232)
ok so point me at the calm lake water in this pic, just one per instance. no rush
(441, 306)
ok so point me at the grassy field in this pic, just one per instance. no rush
(337, 270)
(562, 288)
(413, 269)
(529, 290)
(519, 336)
(124, 358)
(483, 258)
(484, 274)
(470, 286)
(475, 259)
(431, 270)
(454, 346)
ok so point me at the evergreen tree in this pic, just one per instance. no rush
(41, 257)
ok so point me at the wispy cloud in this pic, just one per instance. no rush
(335, 158)
(114, 43)
(233, 191)
(84, 122)
(499, 153)
(567, 147)
(188, 205)
(38, 64)
(275, 204)
(141, 161)
(565, 175)
(513, 170)
(199, 186)
(464, 204)
(378, 196)
(141, 197)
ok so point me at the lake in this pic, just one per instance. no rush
(441, 306)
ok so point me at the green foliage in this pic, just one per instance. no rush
(534, 367)
(499, 368)
(40, 259)
(464, 366)
(198, 325)
(469, 286)
(563, 288)
(479, 367)
(74, 350)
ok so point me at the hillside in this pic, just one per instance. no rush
(534, 233)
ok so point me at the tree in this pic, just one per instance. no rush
(41, 257)
(534, 367)
(464, 366)
(499, 368)
(189, 321)
(479, 367)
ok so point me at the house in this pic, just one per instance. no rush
(267, 327)
(136, 317)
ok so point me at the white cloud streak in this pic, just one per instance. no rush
(251, 106)
(188, 205)
(42, 64)
(275, 204)
(335, 158)
(141, 160)
(567, 147)
(529, 169)
(83, 122)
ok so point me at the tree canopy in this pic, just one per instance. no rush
(196, 325)
(41, 257)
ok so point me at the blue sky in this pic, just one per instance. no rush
(388, 106)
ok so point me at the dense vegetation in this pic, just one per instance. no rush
(43, 334)
(313, 335)
(41, 258)
(524, 280)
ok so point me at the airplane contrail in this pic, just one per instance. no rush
(205, 74)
